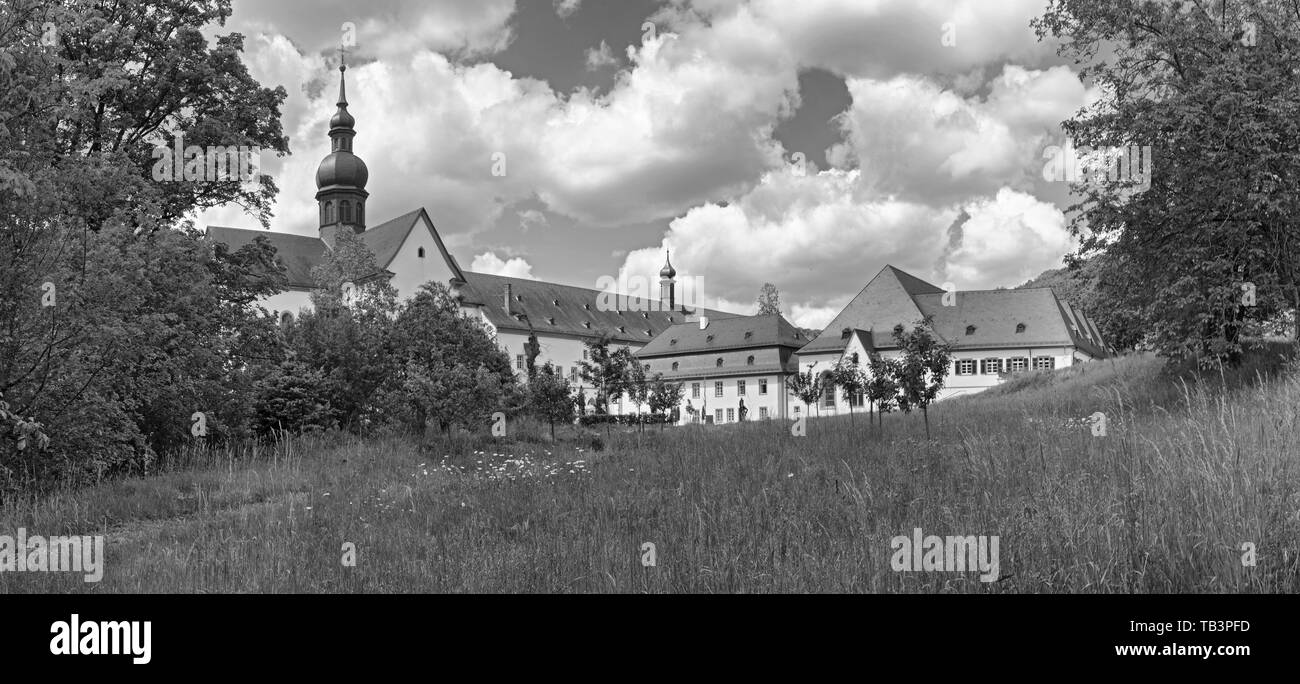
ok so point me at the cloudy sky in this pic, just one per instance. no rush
(633, 126)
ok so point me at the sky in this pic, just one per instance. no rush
(804, 143)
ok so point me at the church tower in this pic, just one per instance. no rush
(341, 178)
(667, 289)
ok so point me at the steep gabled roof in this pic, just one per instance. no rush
(577, 312)
(298, 253)
(885, 302)
(301, 252)
(995, 316)
(739, 332)
(387, 238)
(992, 317)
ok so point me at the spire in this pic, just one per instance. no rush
(342, 120)
(667, 271)
(343, 67)
(667, 288)
(341, 177)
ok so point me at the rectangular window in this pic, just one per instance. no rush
(857, 399)
(796, 410)
(584, 354)
(965, 366)
(762, 386)
(695, 390)
(573, 374)
(740, 387)
(731, 415)
(1044, 362)
(519, 361)
(717, 416)
(991, 366)
(762, 413)
(1018, 364)
(717, 389)
(828, 398)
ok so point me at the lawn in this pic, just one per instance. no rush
(1191, 467)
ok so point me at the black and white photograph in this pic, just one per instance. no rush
(938, 306)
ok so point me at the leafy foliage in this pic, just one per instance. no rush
(1221, 115)
(769, 300)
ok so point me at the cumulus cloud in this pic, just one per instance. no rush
(490, 263)
(916, 139)
(821, 237)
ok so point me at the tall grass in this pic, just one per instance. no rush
(1192, 467)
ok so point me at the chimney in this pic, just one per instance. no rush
(507, 299)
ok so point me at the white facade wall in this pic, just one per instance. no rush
(954, 384)
(410, 270)
(772, 404)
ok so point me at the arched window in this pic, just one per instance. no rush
(345, 210)
(674, 366)
(970, 330)
(1020, 327)
(719, 362)
(749, 361)
(420, 252)
(828, 391)
(329, 212)
(323, 220)
(361, 213)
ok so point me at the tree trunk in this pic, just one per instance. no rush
(552, 430)
(925, 411)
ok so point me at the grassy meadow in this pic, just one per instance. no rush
(1192, 466)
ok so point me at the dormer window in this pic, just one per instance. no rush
(649, 332)
(749, 334)
(674, 366)
(749, 361)
(970, 330)
(555, 302)
(719, 363)
(1020, 327)
(709, 339)
(645, 315)
(586, 307)
(586, 324)
(551, 320)
(622, 328)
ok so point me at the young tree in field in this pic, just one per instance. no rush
(606, 370)
(1202, 241)
(882, 385)
(664, 396)
(807, 386)
(769, 300)
(848, 376)
(921, 370)
(638, 388)
(549, 397)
